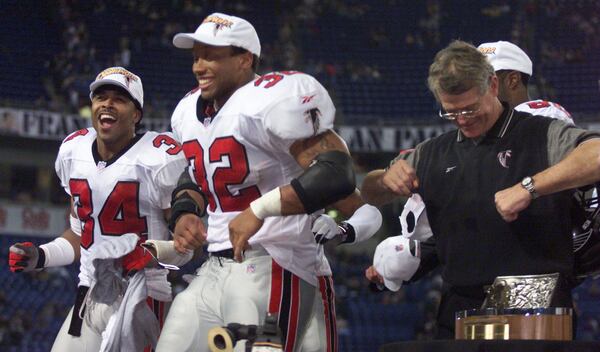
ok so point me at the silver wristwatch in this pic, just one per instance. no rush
(529, 186)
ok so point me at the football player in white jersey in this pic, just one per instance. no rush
(514, 69)
(262, 156)
(120, 183)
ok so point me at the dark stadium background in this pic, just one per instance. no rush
(372, 56)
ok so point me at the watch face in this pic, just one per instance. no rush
(526, 181)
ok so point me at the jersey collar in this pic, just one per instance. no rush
(98, 159)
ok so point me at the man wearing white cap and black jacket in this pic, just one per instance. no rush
(263, 156)
(120, 184)
(497, 190)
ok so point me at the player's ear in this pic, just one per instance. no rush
(137, 116)
(514, 79)
(246, 60)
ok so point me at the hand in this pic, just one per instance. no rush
(189, 234)
(137, 259)
(372, 275)
(241, 228)
(400, 178)
(325, 228)
(511, 201)
(22, 257)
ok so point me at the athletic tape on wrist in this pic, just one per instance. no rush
(59, 252)
(267, 205)
(75, 225)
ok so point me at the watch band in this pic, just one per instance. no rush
(529, 186)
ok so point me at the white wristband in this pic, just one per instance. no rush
(366, 220)
(59, 252)
(75, 225)
(267, 205)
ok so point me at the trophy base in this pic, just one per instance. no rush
(515, 324)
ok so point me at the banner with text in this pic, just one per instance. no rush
(42, 124)
(27, 220)
(55, 126)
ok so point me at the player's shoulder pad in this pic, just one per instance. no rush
(292, 104)
(78, 140)
(186, 104)
(159, 148)
(192, 92)
(545, 108)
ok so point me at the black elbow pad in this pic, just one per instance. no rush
(329, 179)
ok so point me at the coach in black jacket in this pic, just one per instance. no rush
(481, 185)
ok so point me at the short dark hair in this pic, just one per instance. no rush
(524, 77)
(238, 51)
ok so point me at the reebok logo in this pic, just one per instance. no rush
(450, 169)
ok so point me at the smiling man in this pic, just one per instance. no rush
(497, 190)
(263, 156)
(119, 183)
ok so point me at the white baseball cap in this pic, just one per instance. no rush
(221, 30)
(394, 262)
(507, 56)
(118, 76)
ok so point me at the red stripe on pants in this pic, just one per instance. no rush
(276, 288)
(294, 314)
(328, 297)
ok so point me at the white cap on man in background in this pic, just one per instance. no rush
(507, 56)
(219, 29)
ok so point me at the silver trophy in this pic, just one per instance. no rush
(526, 291)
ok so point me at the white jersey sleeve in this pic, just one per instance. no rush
(177, 118)
(300, 108)
(545, 108)
(64, 159)
(173, 162)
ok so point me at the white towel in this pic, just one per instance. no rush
(117, 307)
(133, 326)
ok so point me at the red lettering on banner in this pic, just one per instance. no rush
(31, 219)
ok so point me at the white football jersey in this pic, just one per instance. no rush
(125, 194)
(243, 153)
(545, 108)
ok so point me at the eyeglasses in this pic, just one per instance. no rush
(465, 114)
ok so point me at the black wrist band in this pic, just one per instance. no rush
(193, 187)
(184, 204)
(41, 258)
(348, 233)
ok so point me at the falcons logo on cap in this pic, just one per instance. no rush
(127, 80)
(313, 115)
